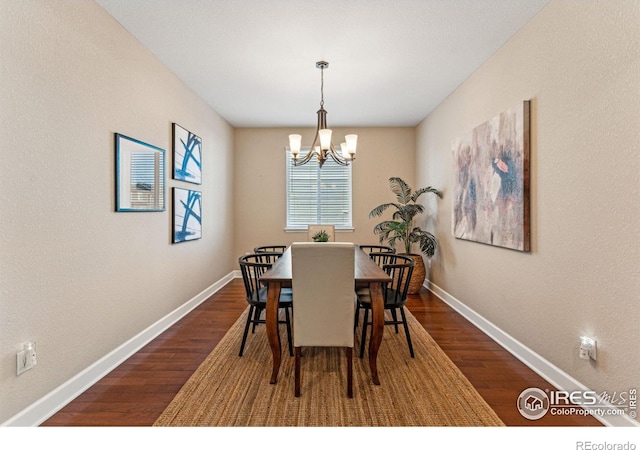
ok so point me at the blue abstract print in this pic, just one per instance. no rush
(187, 215)
(187, 155)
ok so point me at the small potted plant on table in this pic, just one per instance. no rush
(320, 236)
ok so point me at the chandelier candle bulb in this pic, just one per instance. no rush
(345, 151)
(325, 138)
(295, 143)
(352, 142)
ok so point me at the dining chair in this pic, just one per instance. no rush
(312, 230)
(377, 249)
(323, 277)
(253, 266)
(270, 248)
(375, 252)
(394, 293)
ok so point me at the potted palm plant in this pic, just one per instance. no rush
(401, 227)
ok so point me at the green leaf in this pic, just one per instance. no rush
(401, 189)
(419, 192)
(378, 210)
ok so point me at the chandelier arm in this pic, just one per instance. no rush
(336, 156)
(304, 160)
(312, 150)
(309, 155)
(322, 125)
(313, 145)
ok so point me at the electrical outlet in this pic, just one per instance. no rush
(26, 358)
(587, 348)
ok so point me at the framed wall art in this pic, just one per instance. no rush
(491, 181)
(187, 155)
(140, 170)
(187, 215)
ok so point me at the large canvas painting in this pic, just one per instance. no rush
(491, 181)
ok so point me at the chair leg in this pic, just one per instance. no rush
(256, 318)
(246, 330)
(364, 332)
(297, 372)
(406, 332)
(350, 372)
(357, 317)
(394, 316)
(289, 340)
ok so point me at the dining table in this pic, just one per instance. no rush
(367, 274)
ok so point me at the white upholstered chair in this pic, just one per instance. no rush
(324, 300)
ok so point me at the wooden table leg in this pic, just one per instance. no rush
(377, 328)
(273, 332)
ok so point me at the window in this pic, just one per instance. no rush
(318, 196)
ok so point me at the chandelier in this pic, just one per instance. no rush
(325, 149)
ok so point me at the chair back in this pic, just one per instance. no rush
(382, 258)
(270, 248)
(312, 230)
(267, 257)
(377, 249)
(323, 279)
(253, 266)
(400, 269)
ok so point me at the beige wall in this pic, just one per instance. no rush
(579, 64)
(75, 276)
(260, 214)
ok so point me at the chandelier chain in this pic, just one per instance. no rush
(321, 87)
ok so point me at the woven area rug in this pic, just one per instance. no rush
(228, 390)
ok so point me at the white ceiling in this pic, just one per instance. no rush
(391, 62)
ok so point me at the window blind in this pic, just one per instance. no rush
(318, 195)
(145, 167)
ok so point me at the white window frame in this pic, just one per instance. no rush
(291, 225)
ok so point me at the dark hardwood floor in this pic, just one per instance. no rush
(136, 392)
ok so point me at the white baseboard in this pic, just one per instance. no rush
(48, 405)
(558, 378)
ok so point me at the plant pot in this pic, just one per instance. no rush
(419, 274)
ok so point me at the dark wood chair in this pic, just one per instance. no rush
(252, 267)
(377, 249)
(270, 249)
(394, 293)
